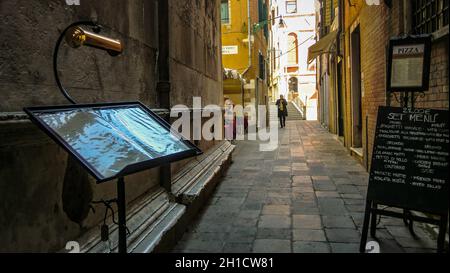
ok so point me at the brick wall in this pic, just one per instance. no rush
(378, 24)
(374, 27)
(437, 95)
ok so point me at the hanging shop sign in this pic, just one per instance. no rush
(409, 64)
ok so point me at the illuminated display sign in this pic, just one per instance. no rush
(113, 140)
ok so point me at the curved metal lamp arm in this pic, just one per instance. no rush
(55, 57)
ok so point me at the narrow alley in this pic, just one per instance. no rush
(121, 126)
(305, 197)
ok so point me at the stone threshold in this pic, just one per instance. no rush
(158, 220)
(357, 151)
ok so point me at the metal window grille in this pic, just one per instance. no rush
(429, 15)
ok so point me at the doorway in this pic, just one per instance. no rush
(355, 55)
(340, 100)
(324, 100)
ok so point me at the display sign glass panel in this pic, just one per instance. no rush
(409, 64)
(112, 140)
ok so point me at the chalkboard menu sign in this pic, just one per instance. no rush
(410, 159)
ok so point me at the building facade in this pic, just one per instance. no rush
(171, 53)
(240, 28)
(351, 55)
(291, 74)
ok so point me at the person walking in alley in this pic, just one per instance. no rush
(282, 110)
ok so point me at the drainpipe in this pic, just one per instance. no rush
(249, 33)
(163, 85)
(341, 22)
(335, 66)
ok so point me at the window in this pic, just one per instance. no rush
(291, 6)
(293, 85)
(266, 26)
(277, 57)
(262, 17)
(429, 15)
(292, 53)
(262, 66)
(332, 10)
(323, 21)
(274, 64)
(260, 11)
(225, 12)
(273, 16)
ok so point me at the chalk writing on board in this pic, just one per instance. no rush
(410, 158)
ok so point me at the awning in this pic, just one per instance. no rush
(233, 81)
(322, 46)
(232, 74)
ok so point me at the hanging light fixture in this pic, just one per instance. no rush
(76, 36)
(281, 23)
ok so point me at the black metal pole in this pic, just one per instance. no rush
(165, 173)
(122, 217)
(442, 231)
(405, 99)
(365, 228)
(373, 223)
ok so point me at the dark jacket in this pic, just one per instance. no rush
(284, 112)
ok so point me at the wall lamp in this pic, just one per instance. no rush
(259, 25)
(77, 36)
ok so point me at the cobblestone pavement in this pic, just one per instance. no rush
(307, 196)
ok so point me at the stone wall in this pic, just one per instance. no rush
(30, 30)
(195, 52)
(45, 198)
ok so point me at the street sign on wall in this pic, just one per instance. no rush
(229, 50)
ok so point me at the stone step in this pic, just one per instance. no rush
(151, 217)
(293, 113)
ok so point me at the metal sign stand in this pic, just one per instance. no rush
(185, 150)
(372, 210)
(121, 206)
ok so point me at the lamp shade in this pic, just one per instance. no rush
(281, 23)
